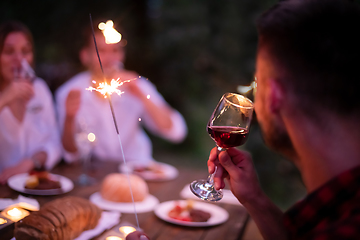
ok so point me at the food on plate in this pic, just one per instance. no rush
(115, 188)
(197, 215)
(152, 167)
(61, 219)
(188, 213)
(41, 180)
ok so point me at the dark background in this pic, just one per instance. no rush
(193, 51)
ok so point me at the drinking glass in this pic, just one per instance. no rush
(85, 141)
(228, 126)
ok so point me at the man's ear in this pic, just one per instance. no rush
(276, 96)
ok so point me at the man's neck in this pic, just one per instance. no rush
(323, 152)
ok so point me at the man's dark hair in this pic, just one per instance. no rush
(317, 44)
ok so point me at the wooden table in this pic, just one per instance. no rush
(156, 228)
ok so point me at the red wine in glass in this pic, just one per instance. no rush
(227, 137)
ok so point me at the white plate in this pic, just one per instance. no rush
(168, 172)
(147, 205)
(17, 182)
(218, 214)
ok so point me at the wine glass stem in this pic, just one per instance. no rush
(210, 179)
(86, 160)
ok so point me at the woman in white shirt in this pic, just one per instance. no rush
(29, 135)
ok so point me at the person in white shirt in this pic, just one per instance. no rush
(141, 105)
(29, 134)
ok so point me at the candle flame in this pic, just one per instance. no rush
(127, 230)
(111, 35)
(15, 214)
(113, 238)
(2, 221)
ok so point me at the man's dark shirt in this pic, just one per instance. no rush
(330, 212)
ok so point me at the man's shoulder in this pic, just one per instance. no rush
(326, 214)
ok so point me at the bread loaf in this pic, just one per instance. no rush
(115, 188)
(62, 219)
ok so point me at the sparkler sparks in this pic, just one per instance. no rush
(108, 89)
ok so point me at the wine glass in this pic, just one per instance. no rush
(85, 140)
(228, 126)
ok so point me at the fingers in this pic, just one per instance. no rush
(213, 159)
(19, 90)
(73, 95)
(137, 236)
(233, 160)
(220, 174)
(229, 163)
(26, 90)
(73, 102)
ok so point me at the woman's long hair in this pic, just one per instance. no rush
(10, 27)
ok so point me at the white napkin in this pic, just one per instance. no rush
(107, 220)
(228, 196)
(5, 202)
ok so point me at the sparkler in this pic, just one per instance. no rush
(107, 90)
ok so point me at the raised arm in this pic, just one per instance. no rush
(163, 119)
(72, 105)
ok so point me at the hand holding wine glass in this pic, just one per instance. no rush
(228, 126)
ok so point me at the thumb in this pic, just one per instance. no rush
(233, 160)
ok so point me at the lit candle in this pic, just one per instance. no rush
(113, 238)
(15, 214)
(2, 221)
(126, 230)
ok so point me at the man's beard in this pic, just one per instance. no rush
(277, 139)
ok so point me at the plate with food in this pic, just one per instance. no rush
(115, 194)
(191, 213)
(153, 171)
(40, 183)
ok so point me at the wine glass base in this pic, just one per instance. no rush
(85, 180)
(205, 191)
